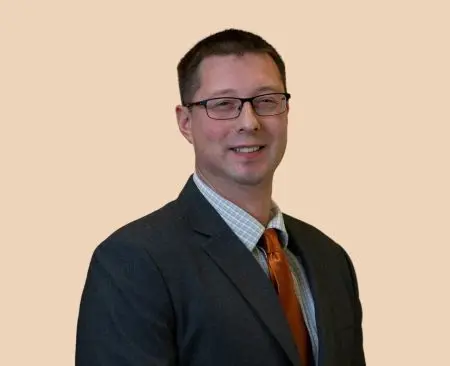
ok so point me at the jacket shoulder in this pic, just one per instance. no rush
(321, 243)
(150, 231)
(307, 229)
(312, 235)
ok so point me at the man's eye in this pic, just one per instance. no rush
(223, 104)
(267, 100)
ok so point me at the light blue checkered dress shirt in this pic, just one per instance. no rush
(250, 230)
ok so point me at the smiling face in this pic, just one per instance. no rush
(224, 149)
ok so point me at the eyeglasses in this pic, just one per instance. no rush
(222, 108)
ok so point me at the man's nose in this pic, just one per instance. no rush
(248, 119)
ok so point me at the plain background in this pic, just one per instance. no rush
(89, 142)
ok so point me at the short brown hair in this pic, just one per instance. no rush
(227, 42)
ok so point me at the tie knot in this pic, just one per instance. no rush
(271, 241)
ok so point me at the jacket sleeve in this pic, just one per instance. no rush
(358, 356)
(125, 315)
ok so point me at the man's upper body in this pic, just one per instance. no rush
(189, 283)
(180, 287)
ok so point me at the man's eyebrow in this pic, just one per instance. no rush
(269, 89)
(223, 92)
(233, 92)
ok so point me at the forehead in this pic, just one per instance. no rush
(238, 75)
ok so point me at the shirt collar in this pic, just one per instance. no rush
(244, 225)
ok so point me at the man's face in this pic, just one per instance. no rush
(215, 141)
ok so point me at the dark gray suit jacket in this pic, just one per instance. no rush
(177, 287)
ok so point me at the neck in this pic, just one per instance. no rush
(255, 199)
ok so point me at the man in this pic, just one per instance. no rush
(220, 276)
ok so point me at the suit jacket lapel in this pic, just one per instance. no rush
(309, 255)
(238, 264)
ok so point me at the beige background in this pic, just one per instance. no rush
(89, 142)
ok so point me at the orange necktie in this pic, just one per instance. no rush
(281, 277)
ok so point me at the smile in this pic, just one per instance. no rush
(247, 149)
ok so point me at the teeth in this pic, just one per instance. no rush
(247, 149)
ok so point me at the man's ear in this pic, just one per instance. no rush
(184, 122)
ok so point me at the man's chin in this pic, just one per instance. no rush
(232, 176)
(251, 178)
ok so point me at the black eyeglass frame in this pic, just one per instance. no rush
(242, 100)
